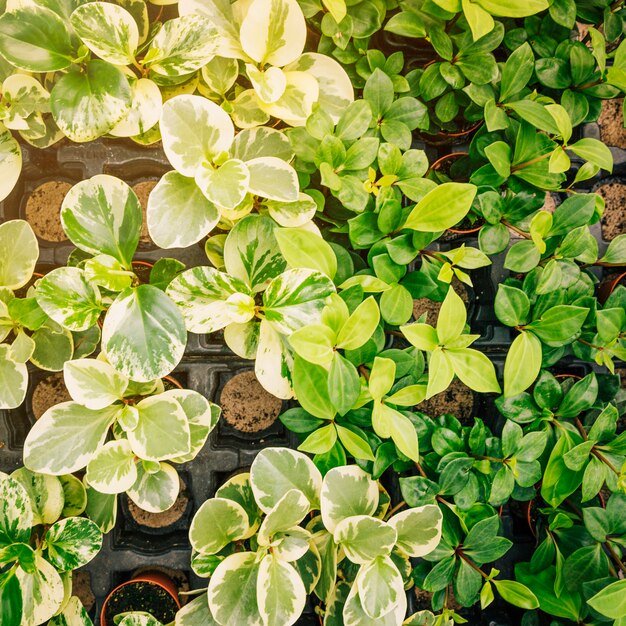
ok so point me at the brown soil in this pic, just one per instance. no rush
(614, 218)
(143, 190)
(81, 588)
(178, 577)
(423, 600)
(43, 210)
(612, 131)
(49, 392)
(246, 405)
(164, 519)
(432, 307)
(621, 421)
(457, 400)
(549, 203)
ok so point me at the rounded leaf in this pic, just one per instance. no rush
(72, 543)
(94, 383)
(19, 251)
(217, 523)
(10, 162)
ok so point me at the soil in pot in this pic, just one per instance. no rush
(457, 400)
(141, 596)
(43, 210)
(246, 406)
(49, 392)
(165, 518)
(81, 588)
(621, 421)
(423, 600)
(614, 218)
(432, 307)
(611, 122)
(143, 190)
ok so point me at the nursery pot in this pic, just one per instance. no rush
(607, 288)
(443, 138)
(443, 163)
(153, 586)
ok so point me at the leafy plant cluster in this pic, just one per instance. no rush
(290, 129)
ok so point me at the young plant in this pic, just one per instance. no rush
(42, 540)
(258, 301)
(449, 352)
(143, 332)
(138, 460)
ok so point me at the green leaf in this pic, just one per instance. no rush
(511, 305)
(72, 543)
(452, 318)
(522, 257)
(107, 30)
(10, 598)
(474, 369)
(559, 324)
(16, 514)
(428, 214)
(523, 363)
(559, 481)
(311, 386)
(217, 523)
(611, 601)
(35, 39)
(516, 594)
(343, 384)
(66, 437)
(144, 334)
(20, 250)
(593, 151)
(616, 252)
(304, 249)
(88, 104)
(379, 93)
(358, 447)
(517, 71)
(360, 326)
(381, 378)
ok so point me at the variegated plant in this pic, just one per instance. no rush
(143, 332)
(119, 92)
(257, 300)
(253, 530)
(269, 37)
(10, 161)
(29, 334)
(152, 429)
(220, 177)
(42, 539)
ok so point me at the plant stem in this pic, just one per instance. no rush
(472, 564)
(365, 373)
(396, 508)
(602, 458)
(538, 159)
(581, 428)
(615, 557)
(517, 230)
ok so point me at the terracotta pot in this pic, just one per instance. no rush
(453, 156)
(157, 579)
(443, 138)
(607, 288)
(569, 376)
(173, 381)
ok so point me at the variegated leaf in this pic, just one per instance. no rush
(54, 345)
(87, 104)
(202, 417)
(419, 529)
(10, 162)
(365, 538)
(94, 383)
(35, 39)
(247, 112)
(295, 299)
(253, 143)
(296, 103)
(102, 215)
(13, 380)
(226, 185)
(183, 45)
(309, 566)
(274, 362)
(66, 438)
(45, 493)
(233, 590)
(251, 252)
(217, 523)
(243, 339)
(239, 490)
(42, 592)
(155, 492)
(194, 130)
(144, 334)
(273, 32)
(354, 614)
(178, 200)
(73, 614)
(220, 75)
(272, 178)
(72, 543)
(288, 512)
(335, 87)
(195, 613)
(113, 468)
(74, 496)
(280, 590)
(69, 298)
(27, 97)
(328, 551)
(380, 587)
(139, 619)
(347, 491)
(16, 514)
(277, 470)
(107, 30)
(19, 251)
(292, 214)
(269, 85)
(162, 431)
(200, 294)
(145, 110)
(291, 545)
